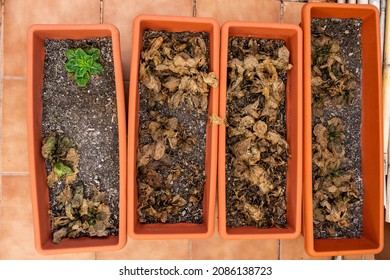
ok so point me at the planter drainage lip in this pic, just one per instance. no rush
(372, 238)
(292, 34)
(137, 230)
(40, 197)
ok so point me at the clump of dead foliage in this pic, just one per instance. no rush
(174, 69)
(335, 191)
(332, 83)
(80, 215)
(175, 82)
(257, 149)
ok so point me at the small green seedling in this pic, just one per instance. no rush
(82, 64)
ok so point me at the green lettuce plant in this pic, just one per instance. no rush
(82, 64)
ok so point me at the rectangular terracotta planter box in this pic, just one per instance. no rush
(292, 35)
(182, 230)
(39, 189)
(371, 241)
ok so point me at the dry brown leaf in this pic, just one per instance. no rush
(171, 83)
(159, 150)
(255, 212)
(59, 234)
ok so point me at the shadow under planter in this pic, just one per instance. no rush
(290, 195)
(43, 225)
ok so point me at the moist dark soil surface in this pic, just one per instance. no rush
(172, 126)
(89, 117)
(336, 122)
(256, 146)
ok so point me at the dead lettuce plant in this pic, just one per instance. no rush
(174, 69)
(157, 172)
(83, 216)
(257, 149)
(335, 192)
(332, 83)
(79, 215)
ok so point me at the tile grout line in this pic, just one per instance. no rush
(194, 8)
(281, 13)
(15, 78)
(15, 174)
(101, 11)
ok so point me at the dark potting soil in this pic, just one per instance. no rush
(336, 86)
(89, 117)
(256, 146)
(172, 126)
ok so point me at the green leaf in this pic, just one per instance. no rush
(61, 169)
(94, 52)
(80, 53)
(70, 53)
(89, 61)
(82, 81)
(71, 65)
(81, 71)
(96, 68)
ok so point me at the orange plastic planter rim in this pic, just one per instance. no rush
(292, 35)
(136, 229)
(40, 200)
(371, 241)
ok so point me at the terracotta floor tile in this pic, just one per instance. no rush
(248, 10)
(368, 257)
(217, 248)
(359, 257)
(149, 250)
(122, 13)
(17, 241)
(292, 12)
(353, 257)
(14, 126)
(294, 249)
(30, 12)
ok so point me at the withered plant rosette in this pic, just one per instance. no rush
(172, 156)
(76, 206)
(259, 170)
(343, 145)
